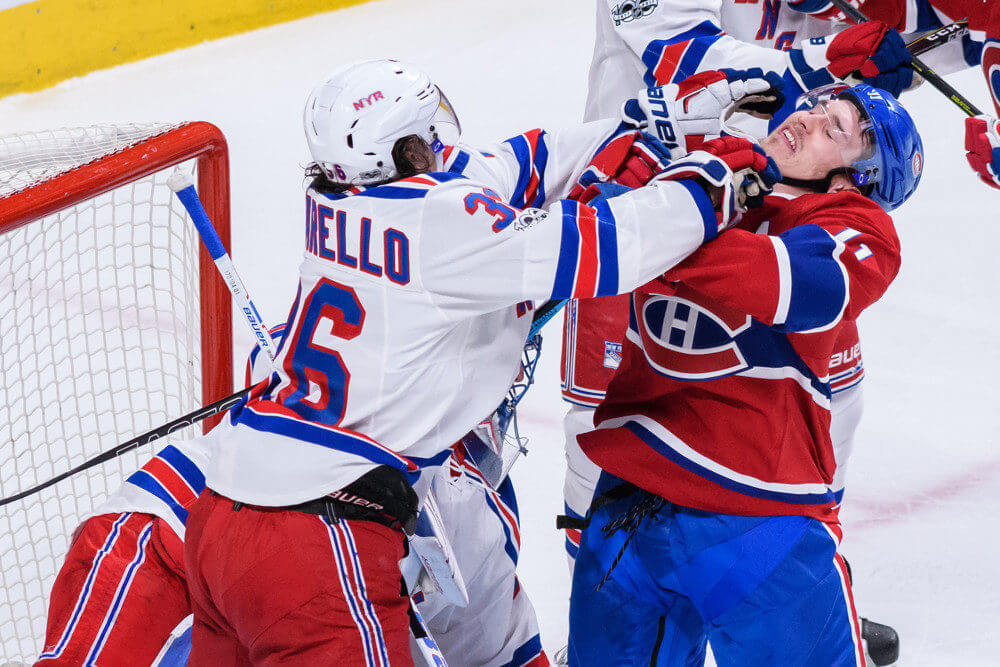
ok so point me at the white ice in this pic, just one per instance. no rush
(924, 486)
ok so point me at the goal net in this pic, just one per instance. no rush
(112, 322)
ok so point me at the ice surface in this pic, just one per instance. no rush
(924, 484)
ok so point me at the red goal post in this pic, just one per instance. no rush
(197, 140)
(114, 321)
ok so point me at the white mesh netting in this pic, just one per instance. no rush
(100, 324)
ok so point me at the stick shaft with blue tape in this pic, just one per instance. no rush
(182, 184)
(544, 314)
(428, 647)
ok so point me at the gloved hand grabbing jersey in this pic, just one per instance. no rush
(735, 172)
(683, 115)
(982, 145)
(871, 52)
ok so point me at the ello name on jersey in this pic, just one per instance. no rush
(333, 235)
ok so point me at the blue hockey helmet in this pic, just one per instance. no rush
(889, 172)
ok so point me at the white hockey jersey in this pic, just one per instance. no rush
(415, 300)
(669, 40)
(166, 485)
(651, 42)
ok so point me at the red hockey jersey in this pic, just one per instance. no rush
(593, 330)
(722, 398)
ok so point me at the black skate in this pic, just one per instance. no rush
(881, 643)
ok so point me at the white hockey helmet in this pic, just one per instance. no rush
(355, 116)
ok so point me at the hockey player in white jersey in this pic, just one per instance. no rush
(128, 557)
(407, 331)
(668, 40)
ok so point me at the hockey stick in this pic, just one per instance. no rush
(159, 432)
(935, 38)
(544, 314)
(428, 647)
(182, 184)
(918, 66)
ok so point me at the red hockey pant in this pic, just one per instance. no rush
(119, 594)
(281, 587)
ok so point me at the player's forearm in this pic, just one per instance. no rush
(656, 228)
(540, 167)
(794, 281)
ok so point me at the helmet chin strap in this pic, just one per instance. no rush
(817, 184)
(812, 185)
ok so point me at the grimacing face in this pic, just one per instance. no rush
(812, 143)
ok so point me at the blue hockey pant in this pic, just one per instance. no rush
(762, 590)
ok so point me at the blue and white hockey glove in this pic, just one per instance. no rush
(684, 115)
(982, 146)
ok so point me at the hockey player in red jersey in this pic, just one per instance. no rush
(715, 518)
(670, 41)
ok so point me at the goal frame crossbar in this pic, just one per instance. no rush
(199, 140)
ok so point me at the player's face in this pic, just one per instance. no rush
(812, 143)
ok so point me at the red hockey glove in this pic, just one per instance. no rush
(735, 172)
(755, 174)
(982, 145)
(631, 159)
(643, 161)
(871, 51)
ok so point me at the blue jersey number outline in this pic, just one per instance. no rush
(330, 311)
(503, 214)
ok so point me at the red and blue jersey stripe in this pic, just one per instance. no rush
(456, 160)
(674, 59)
(588, 252)
(173, 478)
(529, 654)
(532, 155)
(270, 417)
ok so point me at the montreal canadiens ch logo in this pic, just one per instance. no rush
(683, 340)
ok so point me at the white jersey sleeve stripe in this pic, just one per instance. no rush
(784, 280)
